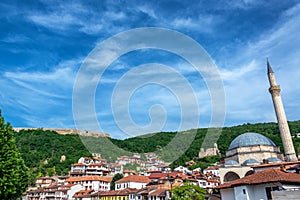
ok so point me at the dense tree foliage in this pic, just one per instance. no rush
(13, 172)
(114, 179)
(188, 191)
(42, 151)
(154, 142)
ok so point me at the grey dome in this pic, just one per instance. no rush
(250, 139)
(231, 162)
(274, 159)
(250, 162)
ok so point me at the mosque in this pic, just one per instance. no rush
(251, 149)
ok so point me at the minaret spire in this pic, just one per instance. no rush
(281, 117)
(270, 70)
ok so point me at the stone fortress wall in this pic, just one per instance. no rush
(65, 131)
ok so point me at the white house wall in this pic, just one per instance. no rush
(227, 194)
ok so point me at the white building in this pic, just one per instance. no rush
(213, 170)
(97, 169)
(96, 183)
(260, 185)
(133, 182)
(182, 169)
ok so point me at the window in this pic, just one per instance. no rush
(244, 191)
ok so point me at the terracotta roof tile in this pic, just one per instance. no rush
(124, 192)
(82, 193)
(266, 176)
(134, 178)
(79, 164)
(158, 192)
(89, 178)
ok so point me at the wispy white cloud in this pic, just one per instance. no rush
(41, 92)
(149, 11)
(202, 23)
(15, 38)
(233, 74)
(246, 85)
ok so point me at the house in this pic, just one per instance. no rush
(182, 169)
(260, 185)
(213, 170)
(54, 191)
(83, 195)
(159, 194)
(115, 168)
(44, 181)
(96, 183)
(132, 181)
(78, 169)
(96, 169)
(125, 194)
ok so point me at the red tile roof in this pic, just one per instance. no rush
(157, 175)
(124, 192)
(95, 165)
(79, 164)
(89, 178)
(83, 193)
(266, 176)
(158, 192)
(134, 178)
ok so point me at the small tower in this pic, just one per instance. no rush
(281, 118)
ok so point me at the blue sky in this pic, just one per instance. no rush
(43, 44)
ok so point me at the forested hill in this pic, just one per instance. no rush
(42, 150)
(158, 140)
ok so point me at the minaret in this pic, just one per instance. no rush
(281, 118)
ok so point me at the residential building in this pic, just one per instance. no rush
(260, 185)
(44, 181)
(96, 183)
(132, 181)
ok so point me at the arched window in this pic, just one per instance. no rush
(249, 172)
(231, 176)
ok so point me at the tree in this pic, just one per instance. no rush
(14, 175)
(188, 191)
(114, 179)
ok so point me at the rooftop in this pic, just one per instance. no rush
(89, 178)
(134, 178)
(267, 176)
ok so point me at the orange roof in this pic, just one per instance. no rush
(177, 184)
(78, 164)
(89, 178)
(212, 180)
(82, 193)
(158, 192)
(95, 164)
(134, 178)
(212, 168)
(266, 176)
(158, 175)
(124, 192)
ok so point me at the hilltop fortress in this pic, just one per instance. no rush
(65, 131)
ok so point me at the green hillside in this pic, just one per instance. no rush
(271, 130)
(42, 150)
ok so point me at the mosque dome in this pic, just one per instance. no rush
(250, 139)
(231, 162)
(274, 159)
(250, 162)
